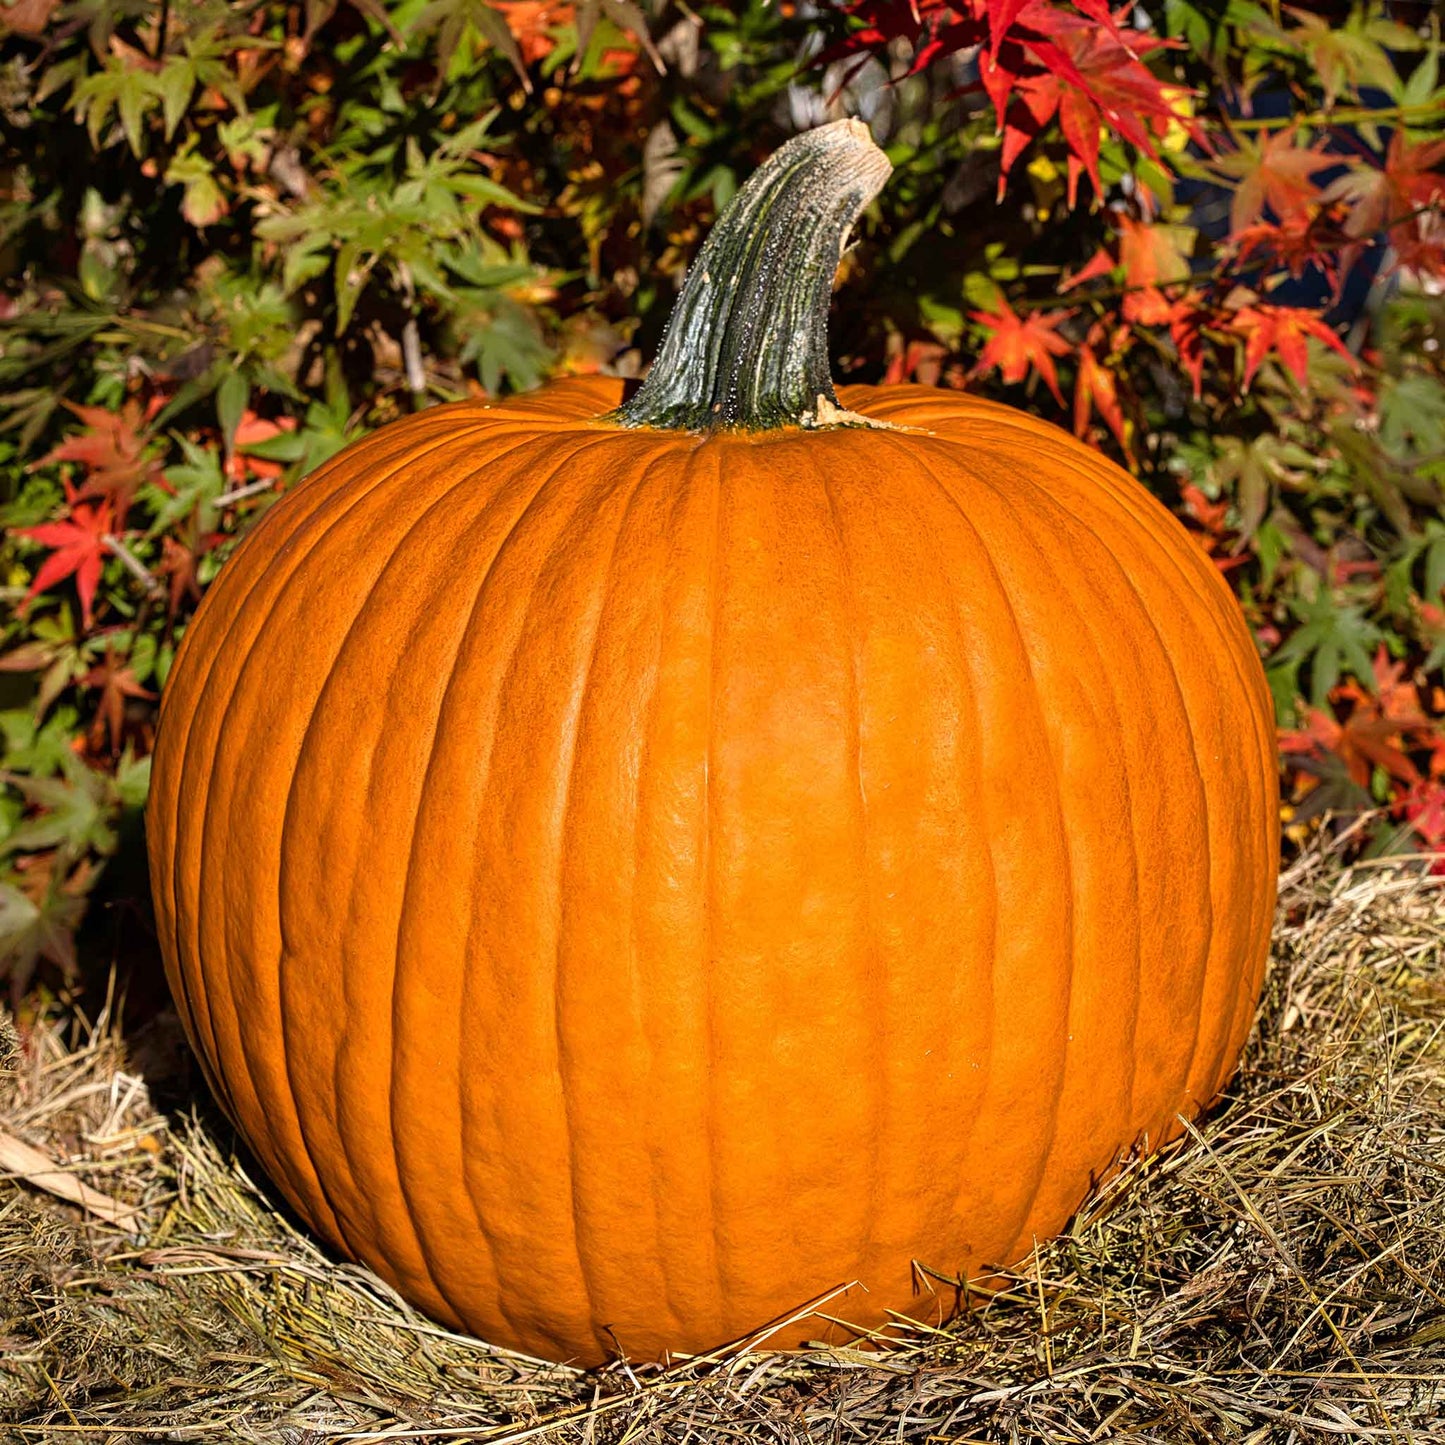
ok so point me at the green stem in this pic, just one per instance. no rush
(747, 344)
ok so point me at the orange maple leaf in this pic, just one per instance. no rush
(1017, 344)
(116, 683)
(1274, 171)
(1151, 257)
(1096, 390)
(1285, 330)
(1409, 181)
(112, 450)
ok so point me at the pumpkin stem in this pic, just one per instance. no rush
(747, 343)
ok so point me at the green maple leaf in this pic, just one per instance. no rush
(453, 19)
(1333, 638)
(77, 811)
(196, 485)
(30, 932)
(122, 87)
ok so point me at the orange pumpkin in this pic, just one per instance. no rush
(629, 872)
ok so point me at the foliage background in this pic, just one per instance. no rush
(1205, 234)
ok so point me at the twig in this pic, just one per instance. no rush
(133, 564)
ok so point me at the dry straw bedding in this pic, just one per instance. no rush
(1279, 1275)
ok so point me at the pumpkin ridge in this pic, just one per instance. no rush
(573, 1189)
(181, 980)
(1104, 678)
(329, 515)
(1209, 950)
(326, 514)
(363, 1197)
(562, 457)
(397, 1104)
(645, 728)
(976, 730)
(1055, 793)
(1206, 893)
(709, 885)
(671, 505)
(693, 529)
(877, 1080)
(1216, 620)
(479, 1207)
(1063, 517)
(1025, 528)
(1212, 618)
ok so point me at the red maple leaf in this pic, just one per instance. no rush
(1377, 730)
(116, 683)
(1410, 181)
(1017, 344)
(1297, 244)
(1096, 390)
(1395, 696)
(80, 543)
(920, 361)
(1150, 257)
(1187, 320)
(1423, 807)
(1087, 71)
(112, 451)
(1212, 516)
(1402, 197)
(1039, 61)
(1273, 171)
(1286, 331)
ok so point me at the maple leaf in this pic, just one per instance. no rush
(1285, 330)
(1092, 78)
(1366, 739)
(38, 920)
(1187, 320)
(1096, 390)
(1397, 698)
(1380, 197)
(80, 543)
(1299, 243)
(255, 431)
(532, 23)
(116, 682)
(1017, 344)
(1151, 256)
(112, 451)
(1423, 807)
(28, 17)
(180, 565)
(1403, 197)
(920, 361)
(1211, 516)
(1039, 61)
(1273, 171)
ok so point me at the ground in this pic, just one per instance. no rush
(1278, 1275)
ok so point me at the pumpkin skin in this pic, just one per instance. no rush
(624, 884)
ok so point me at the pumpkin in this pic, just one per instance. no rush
(631, 868)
